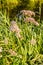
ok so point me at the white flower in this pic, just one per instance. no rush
(18, 35)
(13, 53)
(33, 41)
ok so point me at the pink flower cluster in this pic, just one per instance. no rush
(28, 13)
(13, 53)
(14, 28)
(33, 41)
(30, 19)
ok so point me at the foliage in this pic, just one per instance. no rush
(21, 40)
(14, 6)
(26, 51)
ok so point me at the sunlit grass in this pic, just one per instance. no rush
(16, 51)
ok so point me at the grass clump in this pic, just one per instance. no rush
(26, 50)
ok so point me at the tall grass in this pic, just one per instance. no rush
(16, 51)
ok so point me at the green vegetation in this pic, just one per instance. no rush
(21, 42)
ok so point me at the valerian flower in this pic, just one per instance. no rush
(33, 41)
(30, 19)
(14, 28)
(12, 52)
(28, 13)
(18, 34)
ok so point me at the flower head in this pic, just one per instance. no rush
(28, 13)
(30, 19)
(18, 34)
(14, 28)
(33, 41)
(13, 53)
